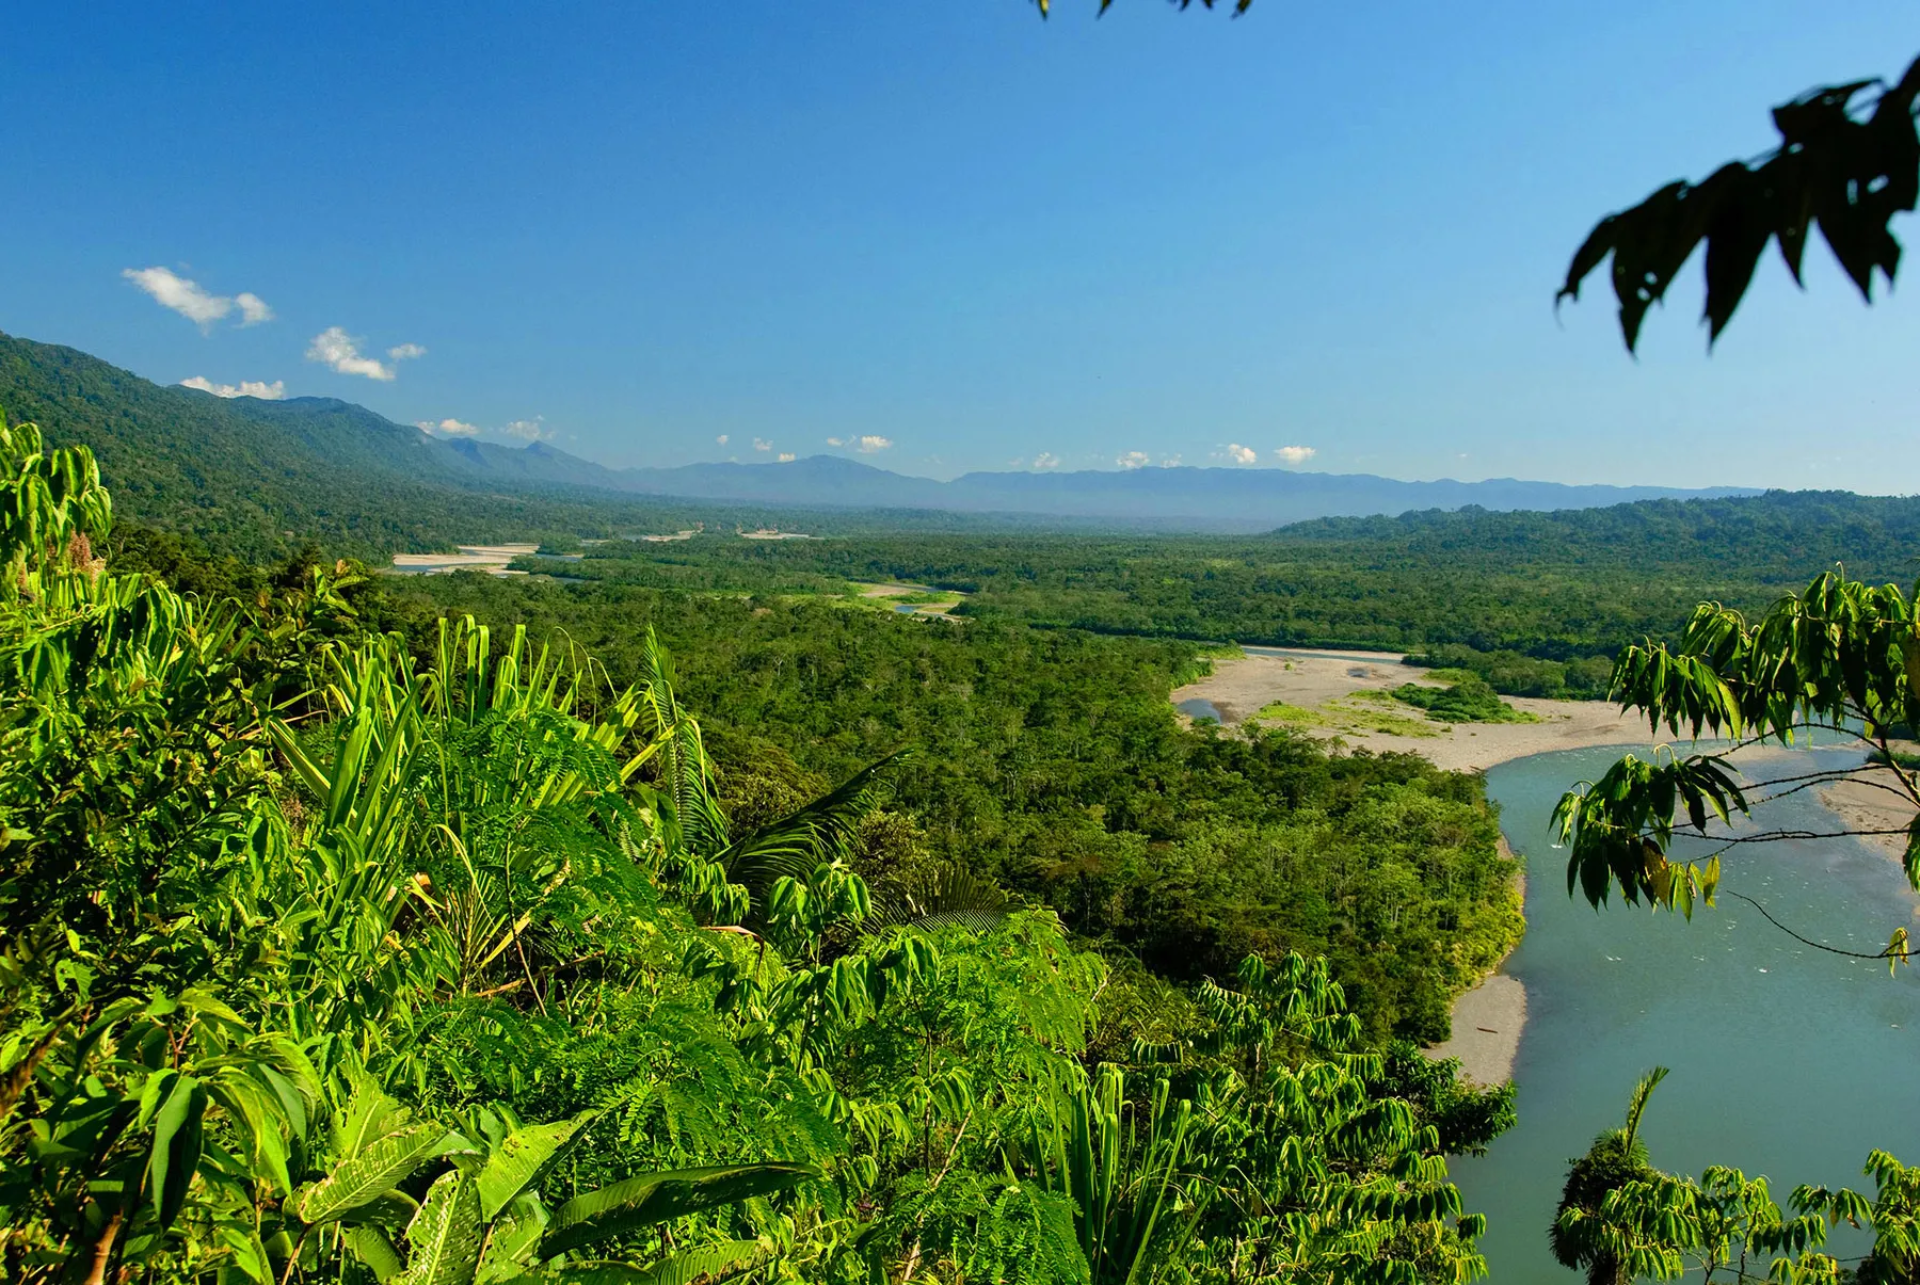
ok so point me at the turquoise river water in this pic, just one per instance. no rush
(1786, 1061)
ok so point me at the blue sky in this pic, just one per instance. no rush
(953, 228)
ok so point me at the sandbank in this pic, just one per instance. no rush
(490, 558)
(941, 610)
(1861, 804)
(1487, 1022)
(1325, 684)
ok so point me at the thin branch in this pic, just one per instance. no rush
(1887, 953)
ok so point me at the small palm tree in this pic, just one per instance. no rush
(1580, 1237)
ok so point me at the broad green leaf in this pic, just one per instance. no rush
(512, 1241)
(703, 1262)
(390, 1209)
(378, 1168)
(520, 1158)
(443, 1240)
(368, 1116)
(654, 1198)
(375, 1248)
(249, 1255)
(176, 1147)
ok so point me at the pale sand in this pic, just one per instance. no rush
(942, 610)
(1487, 1022)
(1240, 688)
(491, 558)
(1862, 805)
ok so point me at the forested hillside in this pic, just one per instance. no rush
(257, 479)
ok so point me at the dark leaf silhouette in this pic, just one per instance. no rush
(1847, 161)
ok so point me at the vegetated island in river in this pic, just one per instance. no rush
(1347, 696)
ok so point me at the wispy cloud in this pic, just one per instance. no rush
(1172, 461)
(448, 427)
(406, 352)
(337, 349)
(873, 444)
(836, 441)
(788, 457)
(190, 300)
(245, 388)
(1046, 459)
(722, 439)
(1134, 459)
(528, 430)
(762, 444)
(1295, 455)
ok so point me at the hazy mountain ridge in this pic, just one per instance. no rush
(246, 462)
(1202, 498)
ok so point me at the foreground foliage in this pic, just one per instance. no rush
(1848, 161)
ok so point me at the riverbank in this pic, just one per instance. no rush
(1489, 1020)
(1339, 696)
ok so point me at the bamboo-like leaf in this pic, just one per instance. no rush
(443, 1240)
(654, 1198)
(380, 1166)
(176, 1147)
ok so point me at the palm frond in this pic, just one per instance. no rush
(822, 831)
(949, 896)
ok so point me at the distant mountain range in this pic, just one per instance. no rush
(1196, 498)
(337, 470)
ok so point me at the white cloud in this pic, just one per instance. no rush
(448, 427)
(335, 348)
(762, 444)
(200, 306)
(1241, 454)
(1134, 459)
(253, 309)
(528, 430)
(873, 443)
(722, 439)
(1172, 461)
(1295, 455)
(245, 388)
(836, 441)
(788, 457)
(406, 352)
(1046, 459)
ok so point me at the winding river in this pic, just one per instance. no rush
(1787, 1061)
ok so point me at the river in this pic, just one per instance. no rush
(1786, 1061)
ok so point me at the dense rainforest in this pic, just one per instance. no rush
(1052, 761)
(1535, 603)
(346, 940)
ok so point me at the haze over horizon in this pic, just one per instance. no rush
(955, 240)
